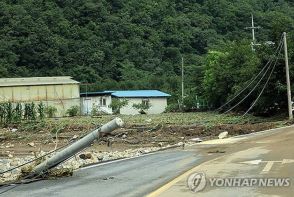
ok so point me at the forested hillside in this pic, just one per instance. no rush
(136, 44)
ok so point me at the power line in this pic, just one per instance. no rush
(263, 86)
(34, 159)
(252, 80)
(253, 87)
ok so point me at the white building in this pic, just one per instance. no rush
(156, 99)
(99, 100)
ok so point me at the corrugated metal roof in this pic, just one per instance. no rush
(139, 93)
(34, 81)
(84, 94)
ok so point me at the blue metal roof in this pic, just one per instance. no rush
(139, 93)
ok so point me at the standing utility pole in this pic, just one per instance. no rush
(288, 77)
(253, 43)
(182, 80)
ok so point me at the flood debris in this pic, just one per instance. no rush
(216, 151)
(67, 168)
(86, 156)
(223, 135)
(197, 139)
(31, 144)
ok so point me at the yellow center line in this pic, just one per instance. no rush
(168, 185)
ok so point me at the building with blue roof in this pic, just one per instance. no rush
(139, 94)
(155, 99)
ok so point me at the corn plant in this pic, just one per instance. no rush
(26, 111)
(41, 110)
(17, 113)
(8, 112)
(33, 114)
(2, 113)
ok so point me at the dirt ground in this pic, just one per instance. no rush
(19, 141)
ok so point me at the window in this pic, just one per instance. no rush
(102, 101)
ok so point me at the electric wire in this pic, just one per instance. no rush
(34, 159)
(251, 81)
(279, 47)
(261, 92)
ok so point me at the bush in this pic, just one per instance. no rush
(117, 104)
(50, 111)
(73, 111)
(142, 107)
(173, 107)
(96, 111)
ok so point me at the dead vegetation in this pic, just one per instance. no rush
(139, 131)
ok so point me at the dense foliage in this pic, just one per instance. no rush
(135, 44)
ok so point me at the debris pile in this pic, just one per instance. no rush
(67, 168)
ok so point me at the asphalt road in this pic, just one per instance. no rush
(266, 156)
(165, 173)
(132, 177)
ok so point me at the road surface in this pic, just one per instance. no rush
(264, 156)
(165, 173)
(132, 177)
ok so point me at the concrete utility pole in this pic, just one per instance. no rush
(288, 77)
(182, 80)
(253, 43)
(76, 147)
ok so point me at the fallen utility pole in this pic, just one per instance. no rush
(76, 147)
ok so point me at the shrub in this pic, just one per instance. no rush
(50, 111)
(142, 107)
(73, 111)
(117, 104)
(173, 107)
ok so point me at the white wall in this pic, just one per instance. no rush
(89, 102)
(158, 106)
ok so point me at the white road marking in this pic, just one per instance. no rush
(253, 162)
(285, 161)
(267, 167)
(269, 164)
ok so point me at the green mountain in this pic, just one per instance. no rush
(136, 44)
